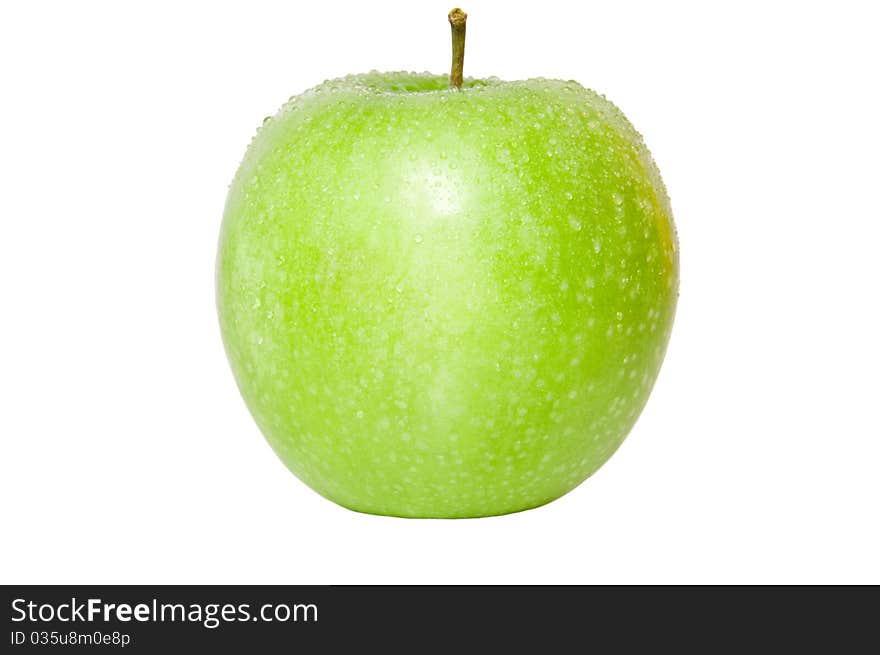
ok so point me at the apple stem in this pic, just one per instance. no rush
(458, 20)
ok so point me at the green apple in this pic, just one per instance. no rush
(443, 302)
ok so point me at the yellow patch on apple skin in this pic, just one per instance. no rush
(668, 239)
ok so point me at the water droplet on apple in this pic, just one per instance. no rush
(568, 195)
(576, 225)
(419, 238)
(617, 198)
(619, 316)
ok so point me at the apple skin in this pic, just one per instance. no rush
(443, 303)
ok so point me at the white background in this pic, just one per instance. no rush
(127, 453)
